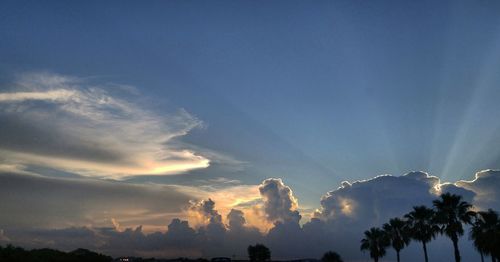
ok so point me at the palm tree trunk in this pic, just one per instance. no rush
(482, 257)
(493, 258)
(397, 253)
(425, 252)
(455, 247)
(375, 259)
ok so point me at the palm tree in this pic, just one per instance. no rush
(485, 233)
(375, 241)
(397, 232)
(476, 234)
(451, 214)
(421, 226)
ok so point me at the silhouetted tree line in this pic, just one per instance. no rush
(17, 254)
(447, 217)
(261, 253)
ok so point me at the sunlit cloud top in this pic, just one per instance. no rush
(65, 123)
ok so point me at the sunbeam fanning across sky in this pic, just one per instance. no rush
(197, 128)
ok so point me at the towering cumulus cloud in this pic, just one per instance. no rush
(236, 219)
(279, 203)
(205, 209)
(338, 224)
(90, 129)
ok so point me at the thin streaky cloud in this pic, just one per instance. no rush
(62, 122)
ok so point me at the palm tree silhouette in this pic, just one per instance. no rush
(421, 226)
(485, 233)
(397, 232)
(451, 214)
(375, 241)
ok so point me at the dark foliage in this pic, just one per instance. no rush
(451, 214)
(259, 252)
(397, 230)
(17, 254)
(422, 226)
(375, 241)
(485, 233)
(331, 256)
(447, 217)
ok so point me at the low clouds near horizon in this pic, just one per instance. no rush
(199, 228)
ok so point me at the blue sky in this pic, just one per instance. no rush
(314, 93)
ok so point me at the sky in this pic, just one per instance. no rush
(118, 117)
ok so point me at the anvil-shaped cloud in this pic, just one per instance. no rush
(70, 124)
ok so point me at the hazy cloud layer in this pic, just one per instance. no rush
(35, 201)
(337, 225)
(70, 124)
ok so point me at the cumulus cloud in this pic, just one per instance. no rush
(90, 129)
(236, 219)
(279, 203)
(212, 231)
(486, 186)
(392, 194)
(205, 209)
(338, 224)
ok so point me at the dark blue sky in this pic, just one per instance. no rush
(312, 92)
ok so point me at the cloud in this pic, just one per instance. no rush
(486, 186)
(236, 219)
(365, 199)
(205, 211)
(337, 225)
(91, 129)
(180, 233)
(279, 203)
(52, 95)
(44, 202)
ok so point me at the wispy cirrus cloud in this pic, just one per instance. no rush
(52, 95)
(66, 123)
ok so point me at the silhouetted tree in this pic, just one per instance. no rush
(331, 256)
(259, 253)
(476, 235)
(451, 214)
(485, 233)
(398, 234)
(421, 226)
(375, 241)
